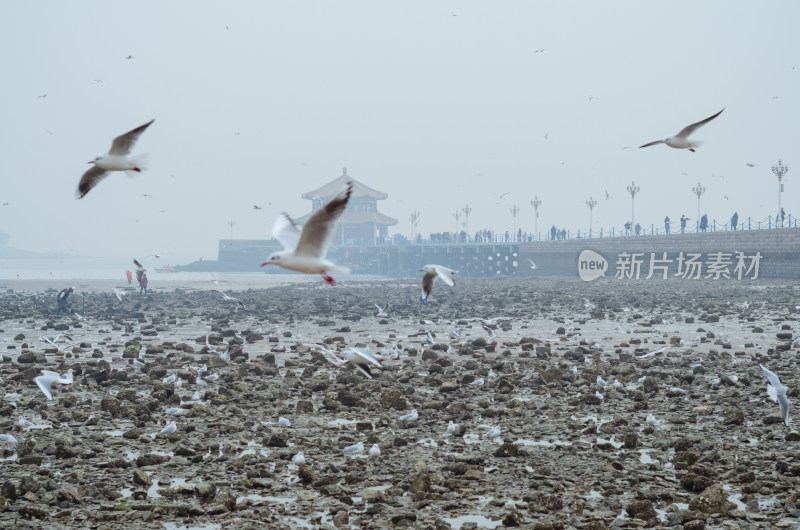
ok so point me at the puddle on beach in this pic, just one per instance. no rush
(478, 520)
(543, 443)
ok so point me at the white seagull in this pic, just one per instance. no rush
(169, 427)
(283, 422)
(361, 358)
(681, 140)
(780, 393)
(383, 311)
(452, 427)
(229, 298)
(305, 251)
(356, 449)
(119, 294)
(410, 417)
(431, 272)
(374, 452)
(48, 377)
(299, 458)
(8, 439)
(116, 159)
(493, 433)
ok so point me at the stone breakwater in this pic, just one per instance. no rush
(619, 404)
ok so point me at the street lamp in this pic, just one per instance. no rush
(466, 209)
(780, 170)
(231, 223)
(456, 216)
(414, 218)
(591, 203)
(633, 189)
(514, 211)
(698, 190)
(536, 202)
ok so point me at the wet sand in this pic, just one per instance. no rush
(572, 452)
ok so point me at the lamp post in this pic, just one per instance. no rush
(591, 203)
(698, 190)
(456, 216)
(514, 211)
(231, 223)
(414, 218)
(536, 202)
(466, 209)
(780, 170)
(633, 189)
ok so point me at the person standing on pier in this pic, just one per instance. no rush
(734, 220)
(666, 224)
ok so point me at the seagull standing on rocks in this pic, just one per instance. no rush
(374, 452)
(116, 159)
(431, 273)
(355, 449)
(780, 393)
(452, 427)
(283, 422)
(410, 417)
(299, 458)
(681, 140)
(305, 251)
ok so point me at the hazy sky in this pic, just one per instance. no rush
(438, 104)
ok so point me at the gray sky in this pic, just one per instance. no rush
(438, 104)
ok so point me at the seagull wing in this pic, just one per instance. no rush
(367, 356)
(286, 232)
(652, 143)
(772, 393)
(89, 180)
(772, 378)
(138, 265)
(122, 144)
(363, 369)
(318, 231)
(784, 404)
(44, 382)
(445, 274)
(689, 129)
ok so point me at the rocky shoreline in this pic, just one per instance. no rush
(619, 404)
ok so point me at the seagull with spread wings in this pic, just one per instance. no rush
(431, 273)
(681, 140)
(116, 159)
(304, 251)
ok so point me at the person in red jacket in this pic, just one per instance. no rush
(129, 275)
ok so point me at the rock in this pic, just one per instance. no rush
(69, 493)
(26, 357)
(347, 398)
(504, 386)
(306, 474)
(341, 519)
(543, 502)
(150, 459)
(393, 399)
(448, 386)
(732, 416)
(28, 484)
(111, 405)
(32, 511)
(553, 374)
(131, 351)
(713, 500)
(506, 450)
(513, 518)
(206, 491)
(278, 439)
(641, 509)
(420, 485)
(630, 440)
(141, 478)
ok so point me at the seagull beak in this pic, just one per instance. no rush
(265, 263)
(92, 162)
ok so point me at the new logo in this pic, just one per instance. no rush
(591, 265)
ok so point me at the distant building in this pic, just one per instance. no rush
(361, 222)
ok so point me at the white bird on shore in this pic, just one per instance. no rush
(355, 449)
(116, 159)
(533, 265)
(45, 381)
(601, 381)
(617, 384)
(211, 377)
(598, 395)
(169, 428)
(650, 420)
(170, 378)
(490, 332)
(361, 358)
(431, 273)
(305, 251)
(374, 452)
(299, 458)
(383, 312)
(283, 422)
(681, 140)
(8, 439)
(452, 427)
(175, 411)
(25, 424)
(119, 294)
(410, 417)
(477, 382)
(492, 433)
(778, 393)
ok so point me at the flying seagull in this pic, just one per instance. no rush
(229, 298)
(780, 394)
(431, 272)
(382, 311)
(305, 251)
(139, 270)
(46, 380)
(362, 359)
(116, 159)
(681, 140)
